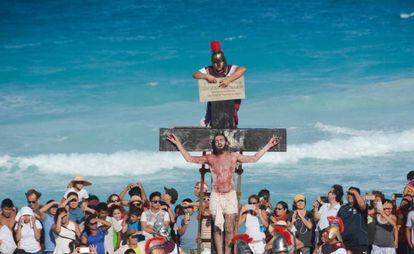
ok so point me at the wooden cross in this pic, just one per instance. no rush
(240, 140)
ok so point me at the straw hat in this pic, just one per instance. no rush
(79, 179)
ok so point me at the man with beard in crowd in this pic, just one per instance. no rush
(223, 199)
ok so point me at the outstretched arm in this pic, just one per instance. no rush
(194, 159)
(253, 158)
(240, 70)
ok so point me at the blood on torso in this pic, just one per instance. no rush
(222, 168)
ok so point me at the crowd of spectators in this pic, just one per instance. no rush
(342, 221)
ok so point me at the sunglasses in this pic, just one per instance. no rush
(253, 203)
(31, 202)
(136, 203)
(93, 223)
(156, 201)
(278, 208)
(115, 200)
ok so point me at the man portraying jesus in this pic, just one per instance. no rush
(223, 198)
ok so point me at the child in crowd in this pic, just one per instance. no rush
(77, 185)
(134, 224)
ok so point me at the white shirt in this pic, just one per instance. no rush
(115, 228)
(253, 227)
(144, 217)
(339, 251)
(82, 194)
(152, 220)
(7, 245)
(28, 241)
(325, 211)
(231, 72)
(410, 223)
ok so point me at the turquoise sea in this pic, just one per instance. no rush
(85, 86)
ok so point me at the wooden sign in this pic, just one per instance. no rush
(213, 91)
(199, 139)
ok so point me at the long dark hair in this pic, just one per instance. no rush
(213, 144)
(284, 205)
(58, 212)
(87, 229)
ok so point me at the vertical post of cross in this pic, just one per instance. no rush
(203, 170)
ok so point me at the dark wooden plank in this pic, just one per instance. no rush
(199, 139)
(222, 115)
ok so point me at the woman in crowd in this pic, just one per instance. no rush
(256, 223)
(386, 235)
(301, 223)
(66, 232)
(322, 210)
(113, 238)
(281, 212)
(47, 215)
(28, 231)
(114, 199)
(94, 235)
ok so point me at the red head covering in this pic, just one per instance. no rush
(282, 231)
(337, 220)
(215, 46)
(245, 237)
(155, 241)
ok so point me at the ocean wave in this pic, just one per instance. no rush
(343, 130)
(357, 145)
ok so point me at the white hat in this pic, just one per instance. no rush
(25, 210)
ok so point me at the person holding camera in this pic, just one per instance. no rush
(187, 226)
(354, 214)
(386, 235)
(256, 223)
(322, 210)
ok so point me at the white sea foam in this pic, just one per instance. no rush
(406, 15)
(356, 145)
(152, 83)
(118, 163)
(232, 38)
(19, 46)
(343, 130)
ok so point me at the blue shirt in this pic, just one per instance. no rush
(97, 240)
(136, 226)
(49, 237)
(76, 215)
(189, 239)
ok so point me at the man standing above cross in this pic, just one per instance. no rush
(219, 68)
(223, 199)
